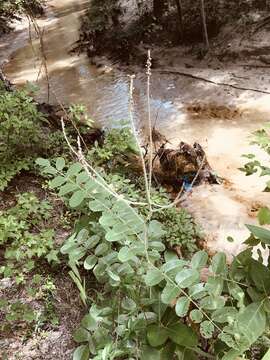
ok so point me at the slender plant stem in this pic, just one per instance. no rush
(150, 127)
(131, 118)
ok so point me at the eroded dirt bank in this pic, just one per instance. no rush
(219, 117)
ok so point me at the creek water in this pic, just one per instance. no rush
(222, 210)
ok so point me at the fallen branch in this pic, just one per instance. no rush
(180, 73)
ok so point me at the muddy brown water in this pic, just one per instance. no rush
(182, 108)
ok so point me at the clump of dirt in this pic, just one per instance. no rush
(198, 111)
(44, 341)
(41, 339)
(24, 182)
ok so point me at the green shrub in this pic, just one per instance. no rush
(118, 145)
(25, 134)
(16, 313)
(148, 301)
(260, 138)
(181, 228)
(19, 123)
(24, 236)
(20, 133)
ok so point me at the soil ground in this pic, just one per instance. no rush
(44, 341)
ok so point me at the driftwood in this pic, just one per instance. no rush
(187, 165)
(184, 166)
(180, 73)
